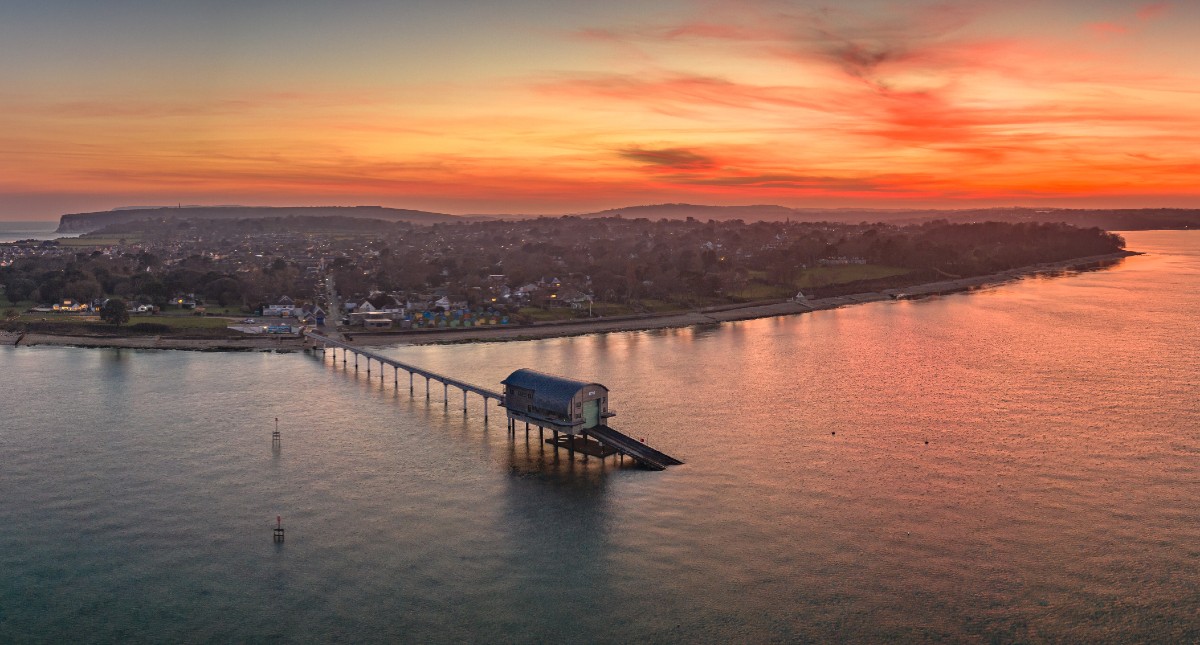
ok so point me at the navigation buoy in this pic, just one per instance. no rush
(278, 536)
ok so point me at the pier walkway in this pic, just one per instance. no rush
(325, 342)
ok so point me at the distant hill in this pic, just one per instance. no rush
(1109, 219)
(756, 213)
(773, 213)
(88, 222)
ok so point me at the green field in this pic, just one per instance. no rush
(758, 289)
(653, 306)
(537, 314)
(184, 322)
(19, 307)
(235, 311)
(97, 240)
(180, 323)
(824, 276)
(611, 309)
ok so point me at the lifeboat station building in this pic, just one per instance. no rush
(560, 404)
(577, 413)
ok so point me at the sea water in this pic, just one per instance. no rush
(1019, 463)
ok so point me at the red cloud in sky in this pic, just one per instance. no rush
(1152, 11)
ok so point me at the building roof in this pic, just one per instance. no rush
(549, 391)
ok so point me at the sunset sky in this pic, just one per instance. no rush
(551, 106)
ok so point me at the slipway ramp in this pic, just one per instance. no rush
(647, 456)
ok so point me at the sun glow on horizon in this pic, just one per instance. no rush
(869, 103)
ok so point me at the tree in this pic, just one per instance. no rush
(84, 290)
(20, 289)
(114, 312)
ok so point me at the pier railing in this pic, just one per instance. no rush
(413, 371)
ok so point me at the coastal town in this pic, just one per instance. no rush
(229, 278)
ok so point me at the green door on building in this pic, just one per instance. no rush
(591, 413)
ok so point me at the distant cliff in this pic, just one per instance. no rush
(88, 222)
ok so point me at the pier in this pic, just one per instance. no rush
(413, 371)
(575, 412)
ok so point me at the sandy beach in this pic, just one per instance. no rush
(714, 315)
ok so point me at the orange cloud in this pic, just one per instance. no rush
(1153, 10)
(1108, 29)
(932, 103)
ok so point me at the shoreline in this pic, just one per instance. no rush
(715, 315)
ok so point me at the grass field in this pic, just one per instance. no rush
(823, 276)
(21, 306)
(184, 322)
(97, 240)
(653, 306)
(758, 289)
(237, 311)
(180, 323)
(611, 309)
(537, 314)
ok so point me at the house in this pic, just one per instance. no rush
(312, 314)
(69, 306)
(377, 323)
(575, 298)
(285, 307)
(450, 303)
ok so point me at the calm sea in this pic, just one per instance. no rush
(1019, 464)
(13, 231)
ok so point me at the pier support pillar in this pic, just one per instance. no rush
(426, 388)
(410, 384)
(485, 409)
(464, 403)
(445, 395)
